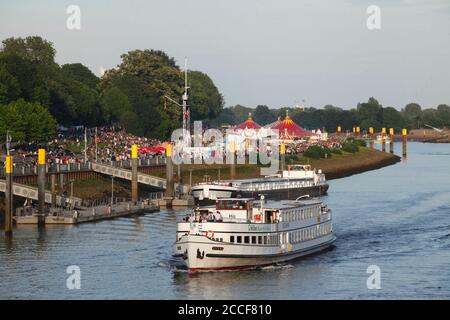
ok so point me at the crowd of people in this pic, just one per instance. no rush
(104, 144)
(299, 148)
(107, 144)
(114, 144)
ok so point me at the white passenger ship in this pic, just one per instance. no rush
(296, 181)
(241, 233)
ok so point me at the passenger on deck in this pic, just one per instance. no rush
(217, 216)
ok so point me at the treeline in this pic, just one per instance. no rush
(365, 115)
(130, 95)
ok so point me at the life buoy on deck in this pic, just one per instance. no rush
(209, 234)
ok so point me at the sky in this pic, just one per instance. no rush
(276, 53)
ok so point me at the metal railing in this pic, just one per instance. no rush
(27, 169)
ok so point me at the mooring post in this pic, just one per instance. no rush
(134, 174)
(53, 188)
(61, 183)
(383, 141)
(404, 140)
(371, 143)
(233, 161)
(41, 186)
(9, 196)
(169, 171)
(391, 144)
(283, 157)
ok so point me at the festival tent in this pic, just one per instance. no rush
(288, 129)
(273, 124)
(248, 124)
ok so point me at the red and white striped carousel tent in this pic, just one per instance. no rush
(288, 129)
(248, 124)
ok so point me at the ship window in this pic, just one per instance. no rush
(239, 239)
(265, 240)
(231, 238)
(259, 240)
(254, 239)
(246, 239)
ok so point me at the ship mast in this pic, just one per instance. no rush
(186, 111)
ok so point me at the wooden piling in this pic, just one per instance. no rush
(169, 172)
(9, 196)
(233, 161)
(404, 141)
(383, 141)
(371, 143)
(391, 136)
(41, 186)
(282, 157)
(134, 174)
(61, 183)
(53, 189)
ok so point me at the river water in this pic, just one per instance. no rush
(397, 218)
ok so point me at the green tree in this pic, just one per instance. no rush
(369, 113)
(26, 121)
(145, 77)
(204, 97)
(263, 115)
(114, 103)
(443, 112)
(9, 86)
(392, 118)
(81, 73)
(413, 115)
(33, 48)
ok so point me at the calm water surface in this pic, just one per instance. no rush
(397, 218)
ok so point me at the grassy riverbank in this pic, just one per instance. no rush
(345, 164)
(337, 166)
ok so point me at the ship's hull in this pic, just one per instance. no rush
(204, 254)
